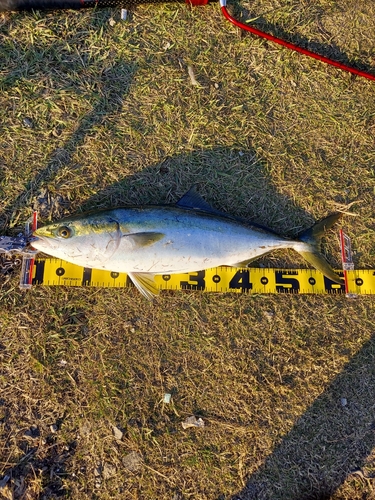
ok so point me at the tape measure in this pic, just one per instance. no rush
(52, 272)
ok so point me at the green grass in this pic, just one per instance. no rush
(96, 114)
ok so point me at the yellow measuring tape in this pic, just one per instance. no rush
(219, 279)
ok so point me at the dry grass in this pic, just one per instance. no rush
(96, 114)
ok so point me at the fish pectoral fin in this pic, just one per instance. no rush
(144, 239)
(145, 284)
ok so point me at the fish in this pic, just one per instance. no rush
(144, 241)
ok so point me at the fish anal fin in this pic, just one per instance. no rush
(145, 283)
(144, 239)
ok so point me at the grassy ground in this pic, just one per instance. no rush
(96, 112)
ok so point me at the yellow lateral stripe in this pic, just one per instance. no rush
(221, 279)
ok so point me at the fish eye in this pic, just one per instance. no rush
(64, 232)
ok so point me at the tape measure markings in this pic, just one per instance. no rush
(52, 272)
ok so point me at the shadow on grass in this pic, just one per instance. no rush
(112, 84)
(41, 463)
(328, 443)
(330, 50)
(43, 475)
(232, 180)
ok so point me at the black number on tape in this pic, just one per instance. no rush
(285, 283)
(332, 287)
(86, 278)
(60, 271)
(39, 272)
(196, 282)
(241, 280)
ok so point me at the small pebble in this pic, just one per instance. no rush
(28, 122)
(344, 401)
(117, 433)
(108, 471)
(132, 461)
(192, 76)
(269, 315)
(192, 422)
(33, 432)
(167, 398)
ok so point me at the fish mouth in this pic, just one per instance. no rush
(41, 242)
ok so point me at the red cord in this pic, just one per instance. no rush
(291, 46)
(34, 226)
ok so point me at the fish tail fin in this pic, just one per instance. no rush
(312, 237)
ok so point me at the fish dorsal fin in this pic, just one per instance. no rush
(145, 284)
(193, 200)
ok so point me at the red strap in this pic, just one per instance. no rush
(292, 46)
(197, 2)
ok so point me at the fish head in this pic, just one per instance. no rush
(87, 240)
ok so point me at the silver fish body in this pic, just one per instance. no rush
(148, 240)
